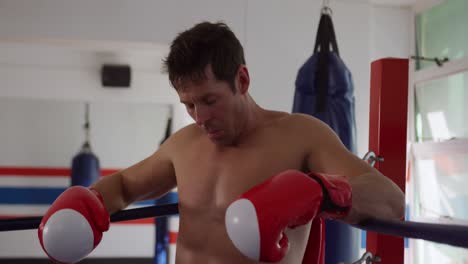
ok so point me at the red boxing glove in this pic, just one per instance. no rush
(73, 225)
(256, 221)
(337, 195)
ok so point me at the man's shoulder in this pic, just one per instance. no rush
(293, 121)
(188, 130)
(183, 137)
(186, 133)
(301, 121)
(303, 125)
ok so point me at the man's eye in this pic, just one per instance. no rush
(210, 102)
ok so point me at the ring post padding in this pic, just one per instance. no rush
(387, 138)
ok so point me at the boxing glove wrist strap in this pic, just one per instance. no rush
(336, 195)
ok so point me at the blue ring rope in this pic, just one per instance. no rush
(455, 235)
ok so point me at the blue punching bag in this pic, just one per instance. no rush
(85, 165)
(324, 89)
(162, 223)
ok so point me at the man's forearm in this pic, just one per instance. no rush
(112, 191)
(375, 196)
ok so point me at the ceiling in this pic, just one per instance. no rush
(78, 54)
(145, 56)
(403, 2)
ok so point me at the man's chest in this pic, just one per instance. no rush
(208, 181)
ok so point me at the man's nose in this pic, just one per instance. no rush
(201, 115)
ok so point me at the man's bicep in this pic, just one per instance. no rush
(327, 154)
(149, 178)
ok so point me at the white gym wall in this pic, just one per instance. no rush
(51, 52)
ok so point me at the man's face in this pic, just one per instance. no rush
(214, 107)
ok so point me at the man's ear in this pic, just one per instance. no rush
(243, 79)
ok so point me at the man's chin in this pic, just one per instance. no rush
(221, 141)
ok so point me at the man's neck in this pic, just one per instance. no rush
(254, 117)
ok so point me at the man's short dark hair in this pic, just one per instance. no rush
(204, 44)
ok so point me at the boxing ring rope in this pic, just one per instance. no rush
(27, 223)
(455, 235)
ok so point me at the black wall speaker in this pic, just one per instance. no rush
(115, 75)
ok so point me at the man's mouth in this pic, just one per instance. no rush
(214, 133)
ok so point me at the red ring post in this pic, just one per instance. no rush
(388, 138)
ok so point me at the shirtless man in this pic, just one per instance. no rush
(233, 146)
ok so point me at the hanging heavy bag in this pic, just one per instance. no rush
(324, 89)
(161, 255)
(324, 86)
(85, 165)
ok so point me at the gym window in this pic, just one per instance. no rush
(438, 170)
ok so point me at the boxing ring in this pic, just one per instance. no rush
(388, 144)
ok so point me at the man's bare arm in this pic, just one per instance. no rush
(147, 179)
(374, 195)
